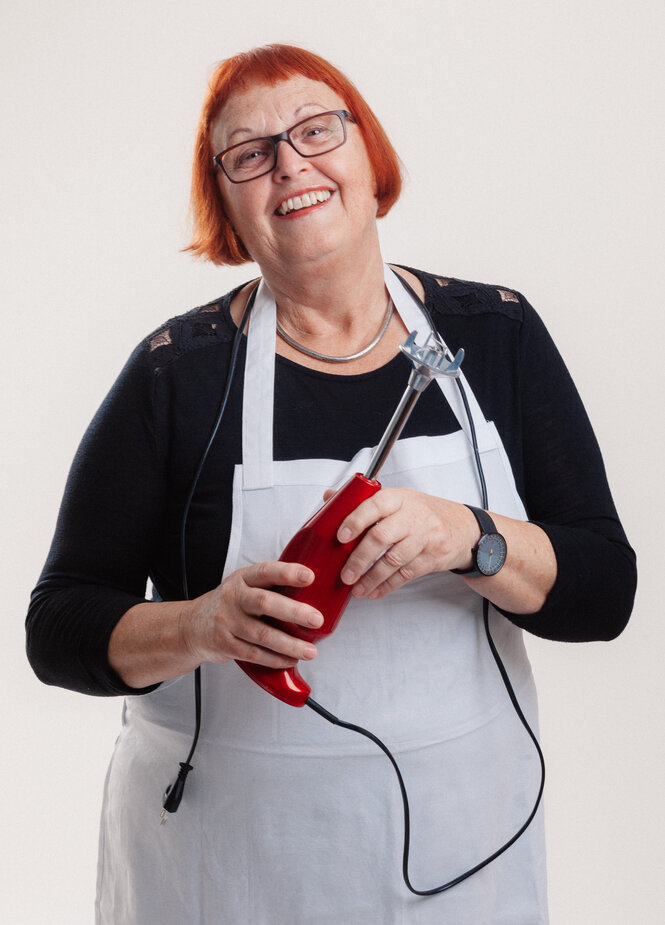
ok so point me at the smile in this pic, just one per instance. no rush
(304, 201)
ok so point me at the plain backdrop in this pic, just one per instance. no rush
(532, 136)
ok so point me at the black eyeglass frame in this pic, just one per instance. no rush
(284, 136)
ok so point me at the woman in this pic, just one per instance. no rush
(284, 817)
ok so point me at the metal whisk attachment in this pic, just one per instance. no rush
(428, 361)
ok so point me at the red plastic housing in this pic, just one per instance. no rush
(316, 546)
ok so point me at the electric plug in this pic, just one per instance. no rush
(174, 791)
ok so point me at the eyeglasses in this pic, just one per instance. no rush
(316, 135)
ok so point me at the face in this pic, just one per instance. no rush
(273, 233)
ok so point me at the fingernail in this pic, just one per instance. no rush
(348, 576)
(358, 590)
(308, 652)
(304, 574)
(344, 535)
(315, 619)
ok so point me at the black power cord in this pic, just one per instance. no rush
(174, 792)
(326, 714)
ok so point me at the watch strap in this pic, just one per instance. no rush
(485, 522)
(486, 525)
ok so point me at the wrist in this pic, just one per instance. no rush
(489, 554)
(187, 642)
(470, 534)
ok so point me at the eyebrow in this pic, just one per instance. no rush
(250, 132)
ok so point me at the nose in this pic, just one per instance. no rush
(288, 160)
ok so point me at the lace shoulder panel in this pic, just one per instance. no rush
(449, 295)
(201, 327)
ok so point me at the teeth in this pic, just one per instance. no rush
(303, 201)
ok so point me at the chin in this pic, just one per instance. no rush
(314, 247)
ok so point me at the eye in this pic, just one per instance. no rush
(320, 133)
(314, 132)
(248, 157)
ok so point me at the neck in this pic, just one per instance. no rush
(344, 294)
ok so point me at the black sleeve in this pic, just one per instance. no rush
(567, 495)
(98, 564)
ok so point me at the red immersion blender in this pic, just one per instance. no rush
(316, 545)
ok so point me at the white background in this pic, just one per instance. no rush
(532, 134)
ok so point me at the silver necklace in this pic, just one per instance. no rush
(345, 359)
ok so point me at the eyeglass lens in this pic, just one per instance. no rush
(318, 135)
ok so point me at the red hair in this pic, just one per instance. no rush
(214, 238)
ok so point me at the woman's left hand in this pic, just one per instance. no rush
(409, 534)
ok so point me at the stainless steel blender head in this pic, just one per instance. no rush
(429, 362)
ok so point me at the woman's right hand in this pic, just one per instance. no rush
(227, 622)
(156, 641)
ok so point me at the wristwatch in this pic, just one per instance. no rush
(490, 553)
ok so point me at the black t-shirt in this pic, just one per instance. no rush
(119, 523)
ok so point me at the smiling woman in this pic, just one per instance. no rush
(284, 819)
(266, 67)
(340, 226)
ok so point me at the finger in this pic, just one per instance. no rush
(398, 564)
(270, 574)
(385, 589)
(263, 657)
(264, 602)
(381, 537)
(261, 641)
(395, 581)
(244, 651)
(328, 493)
(379, 506)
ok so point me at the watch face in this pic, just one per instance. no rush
(491, 553)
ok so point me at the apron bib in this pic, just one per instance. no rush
(288, 819)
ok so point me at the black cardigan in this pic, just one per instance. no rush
(120, 517)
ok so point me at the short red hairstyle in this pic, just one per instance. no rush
(213, 237)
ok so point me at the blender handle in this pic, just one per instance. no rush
(316, 546)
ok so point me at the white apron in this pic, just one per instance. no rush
(287, 819)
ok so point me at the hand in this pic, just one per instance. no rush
(409, 534)
(227, 623)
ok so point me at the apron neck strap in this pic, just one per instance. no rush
(415, 319)
(258, 393)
